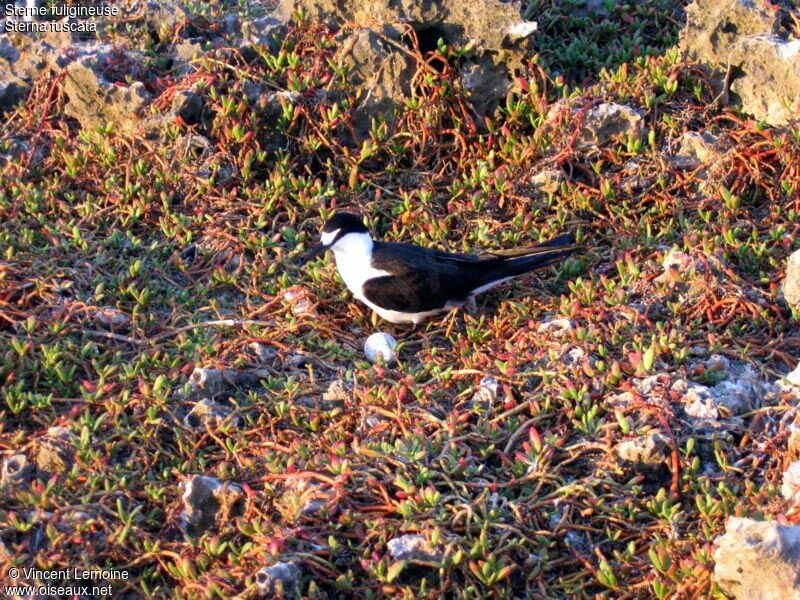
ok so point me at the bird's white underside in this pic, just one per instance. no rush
(353, 253)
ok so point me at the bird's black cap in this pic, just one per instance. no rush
(346, 223)
(343, 223)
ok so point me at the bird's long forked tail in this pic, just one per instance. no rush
(524, 260)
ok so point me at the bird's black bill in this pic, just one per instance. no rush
(315, 252)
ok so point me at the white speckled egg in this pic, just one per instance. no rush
(381, 345)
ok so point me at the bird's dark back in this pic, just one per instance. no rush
(438, 276)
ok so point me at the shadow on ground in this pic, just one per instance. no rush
(577, 38)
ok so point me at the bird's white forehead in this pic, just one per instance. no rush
(328, 236)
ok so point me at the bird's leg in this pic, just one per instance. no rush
(406, 330)
(471, 307)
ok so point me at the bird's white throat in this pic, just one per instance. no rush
(353, 252)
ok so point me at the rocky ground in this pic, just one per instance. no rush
(186, 401)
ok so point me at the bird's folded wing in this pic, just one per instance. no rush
(401, 294)
(421, 279)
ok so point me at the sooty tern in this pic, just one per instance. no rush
(405, 283)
